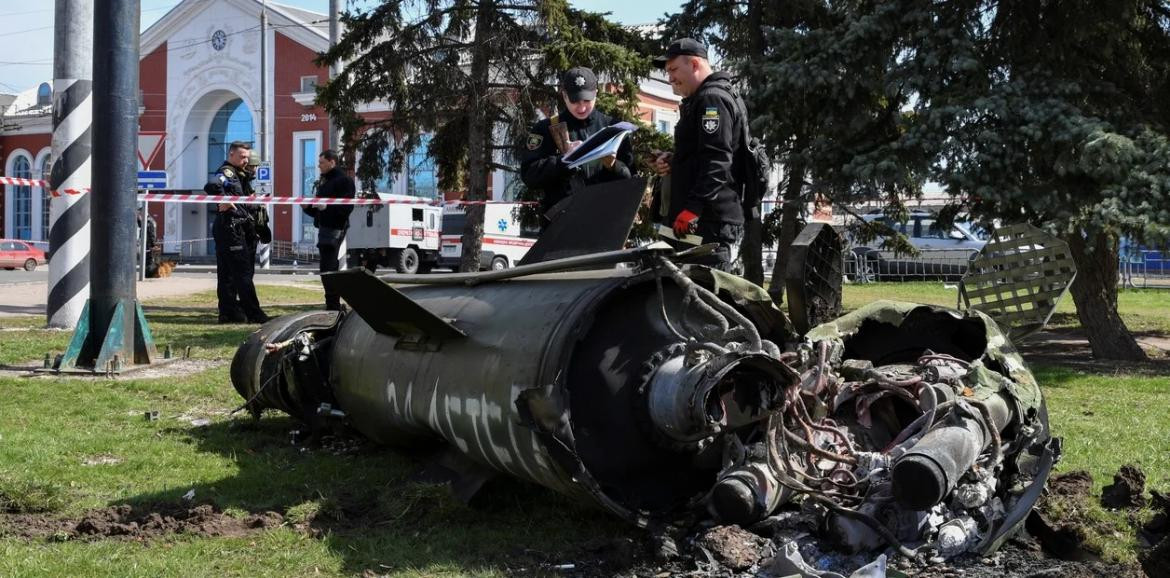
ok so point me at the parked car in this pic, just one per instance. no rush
(945, 253)
(15, 253)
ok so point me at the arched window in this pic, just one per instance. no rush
(44, 94)
(233, 122)
(43, 173)
(22, 200)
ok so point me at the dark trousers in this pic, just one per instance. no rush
(235, 265)
(329, 246)
(728, 235)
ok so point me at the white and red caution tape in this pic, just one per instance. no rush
(266, 200)
(40, 183)
(272, 200)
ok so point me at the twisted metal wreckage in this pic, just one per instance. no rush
(658, 389)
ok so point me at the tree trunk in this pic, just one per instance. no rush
(1095, 293)
(478, 137)
(789, 212)
(752, 248)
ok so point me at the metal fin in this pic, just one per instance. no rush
(386, 309)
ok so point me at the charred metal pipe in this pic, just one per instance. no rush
(929, 471)
(747, 494)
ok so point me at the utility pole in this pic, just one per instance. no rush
(334, 133)
(264, 81)
(265, 249)
(115, 332)
(72, 116)
(335, 137)
(334, 30)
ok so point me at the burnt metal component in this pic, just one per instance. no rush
(930, 470)
(747, 493)
(281, 365)
(386, 309)
(693, 397)
(1018, 278)
(813, 279)
(594, 219)
(942, 396)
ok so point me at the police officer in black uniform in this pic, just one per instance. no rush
(151, 241)
(542, 167)
(705, 189)
(332, 221)
(237, 230)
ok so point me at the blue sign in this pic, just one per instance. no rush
(152, 179)
(264, 174)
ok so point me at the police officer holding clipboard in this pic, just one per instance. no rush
(542, 165)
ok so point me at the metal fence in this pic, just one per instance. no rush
(1145, 269)
(866, 266)
(290, 252)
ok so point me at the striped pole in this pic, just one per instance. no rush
(264, 254)
(72, 115)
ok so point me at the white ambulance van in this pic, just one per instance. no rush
(505, 242)
(403, 236)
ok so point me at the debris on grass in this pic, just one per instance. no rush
(101, 460)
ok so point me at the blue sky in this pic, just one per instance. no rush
(26, 35)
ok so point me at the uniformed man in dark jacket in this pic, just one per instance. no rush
(331, 220)
(237, 230)
(151, 240)
(542, 167)
(705, 191)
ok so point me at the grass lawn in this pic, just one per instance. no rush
(349, 512)
(1144, 310)
(344, 513)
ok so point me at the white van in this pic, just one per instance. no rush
(505, 241)
(402, 236)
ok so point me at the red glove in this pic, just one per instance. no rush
(684, 222)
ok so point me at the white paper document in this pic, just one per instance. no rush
(600, 144)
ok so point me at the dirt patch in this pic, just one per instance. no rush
(1072, 484)
(1127, 490)
(1059, 522)
(137, 523)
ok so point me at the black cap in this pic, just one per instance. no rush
(580, 84)
(680, 47)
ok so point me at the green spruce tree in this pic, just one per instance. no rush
(1050, 112)
(472, 72)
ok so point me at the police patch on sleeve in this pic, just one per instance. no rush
(229, 173)
(534, 141)
(710, 120)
